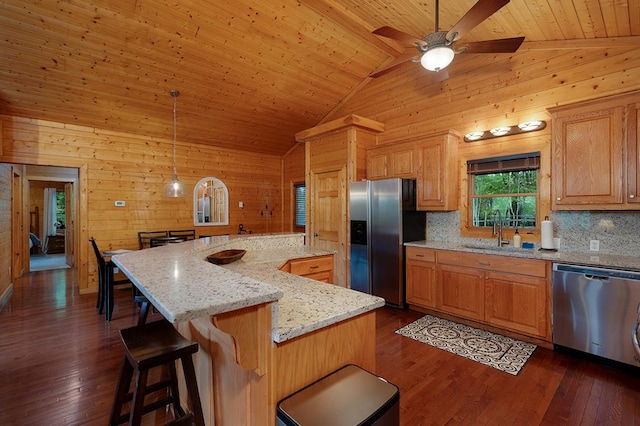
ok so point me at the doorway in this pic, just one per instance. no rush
(51, 216)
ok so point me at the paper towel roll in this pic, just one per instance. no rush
(546, 238)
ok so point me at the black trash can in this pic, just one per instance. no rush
(349, 396)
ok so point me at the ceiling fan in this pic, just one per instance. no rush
(436, 50)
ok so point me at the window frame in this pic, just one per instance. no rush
(294, 199)
(519, 145)
(536, 195)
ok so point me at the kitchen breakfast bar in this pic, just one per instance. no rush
(263, 333)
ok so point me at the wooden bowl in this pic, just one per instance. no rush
(225, 256)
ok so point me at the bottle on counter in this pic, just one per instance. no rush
(517, 240)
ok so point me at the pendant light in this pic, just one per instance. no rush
(174, 188)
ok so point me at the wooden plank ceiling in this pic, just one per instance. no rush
(251, 73)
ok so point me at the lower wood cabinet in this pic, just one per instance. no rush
(505, 292)
(461, 291)
(319, 268)
(517, 302)
(420, 273)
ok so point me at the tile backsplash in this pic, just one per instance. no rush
(618, 232)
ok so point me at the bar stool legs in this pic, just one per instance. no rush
(152, 345)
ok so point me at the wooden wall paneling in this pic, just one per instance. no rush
(134, 168)
(5, 232)
(292, 172)
(462, 100)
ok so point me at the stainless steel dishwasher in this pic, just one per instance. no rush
(596, 310)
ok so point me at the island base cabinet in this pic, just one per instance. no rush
(461, 291)
(242, 373)
(517, 303)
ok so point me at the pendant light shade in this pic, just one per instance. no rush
(174, 188)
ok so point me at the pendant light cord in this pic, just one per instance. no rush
(174, 94)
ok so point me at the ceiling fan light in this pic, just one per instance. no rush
(437, 58)
(500, 131)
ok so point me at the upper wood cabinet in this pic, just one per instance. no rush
(595, 154)
(431, 160)
(437, 182)
(392, 161)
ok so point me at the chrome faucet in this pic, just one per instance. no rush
(497, 228)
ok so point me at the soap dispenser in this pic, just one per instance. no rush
(517, 240)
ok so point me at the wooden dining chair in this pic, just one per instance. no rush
(144, 237)
(188, 234)
(106, 282)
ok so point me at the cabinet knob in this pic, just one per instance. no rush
(558, 199)
(632, 196)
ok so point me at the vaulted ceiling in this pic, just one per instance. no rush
(250, 73)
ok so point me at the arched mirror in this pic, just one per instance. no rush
(210, 202)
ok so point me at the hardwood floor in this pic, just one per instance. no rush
(59, 362)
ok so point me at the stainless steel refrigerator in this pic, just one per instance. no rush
(383, 217)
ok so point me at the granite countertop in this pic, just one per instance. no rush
(183, 285)
(588, 259)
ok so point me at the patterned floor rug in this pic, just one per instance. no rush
(505, 354)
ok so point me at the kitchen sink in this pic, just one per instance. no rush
(494, 248)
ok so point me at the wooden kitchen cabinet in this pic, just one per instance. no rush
(505, 292)
(319, 268)
(420, 277)
(518, 303)
(460, 291)
(437, 182)
(595, 159)
(392, 161)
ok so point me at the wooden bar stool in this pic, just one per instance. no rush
(152, 345)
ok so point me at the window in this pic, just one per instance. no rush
(60, 209)
(508, 185)
(299, 203)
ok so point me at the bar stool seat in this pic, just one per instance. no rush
(152, 345)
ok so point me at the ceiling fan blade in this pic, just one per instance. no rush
(478, 13)
(409, 55)
(504, 45)
(398, 36)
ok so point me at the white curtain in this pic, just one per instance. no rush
(48, 216)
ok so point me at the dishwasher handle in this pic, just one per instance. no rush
(596, 277)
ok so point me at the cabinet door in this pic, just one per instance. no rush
(517, 303)
(394, 161)
(376, 164)
(402, 163)
(437, 182)
(587, 164)
(460, 291)
(421, 283)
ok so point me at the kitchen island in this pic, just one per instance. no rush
(263, 333)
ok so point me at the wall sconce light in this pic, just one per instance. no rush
(528, 126)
